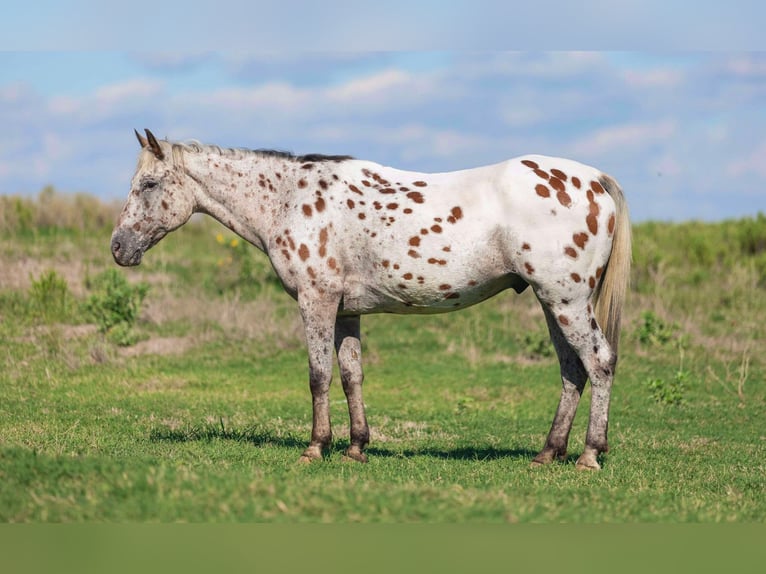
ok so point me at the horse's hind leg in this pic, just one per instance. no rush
(579, 327)
(348, 346)
(573, 377)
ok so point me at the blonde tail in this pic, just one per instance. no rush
(611, 292)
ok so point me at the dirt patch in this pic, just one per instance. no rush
(159, 346)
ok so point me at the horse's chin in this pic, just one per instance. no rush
(131, 261)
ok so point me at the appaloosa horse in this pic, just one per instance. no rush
(350, 237)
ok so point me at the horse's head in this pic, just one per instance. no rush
(160, 200)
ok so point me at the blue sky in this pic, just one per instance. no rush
(683, 130)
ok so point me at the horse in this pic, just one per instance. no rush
(349, 237)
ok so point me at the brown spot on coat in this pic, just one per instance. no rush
(419, 183)
(416, 196)
(563, 198)
(542, 190)
(542, 174)
(610, 225)
(529, 268)
(592, 282)
(306, 210)
(580, 239)
(355, 189)
(569, 250)
(599, 272)
(322, 184)
(392, 206)
(302, 183)
(596, 186)
(407, 276)
(455, 214)
(445, 287)
(557, 184)
(529, 163)
(319, 204)
(350, 203)
(385, 263)
(564, 320)
(592, 223)
(414, 240)
(414, 254)
(322, 242)
(452, 295)
(436, 228)
(303, 252)
(526, 246)
(559, 174)
(576, 277)
(332, 263)
(576, 182)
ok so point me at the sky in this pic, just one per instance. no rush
(683, 131)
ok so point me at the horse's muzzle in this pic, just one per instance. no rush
(125, 252)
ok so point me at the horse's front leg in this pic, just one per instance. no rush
(318, 314)
(348, 346)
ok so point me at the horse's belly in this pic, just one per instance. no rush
(422, 297)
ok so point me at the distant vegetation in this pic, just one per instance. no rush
(124, 390)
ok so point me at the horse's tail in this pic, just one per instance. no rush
(611, 292)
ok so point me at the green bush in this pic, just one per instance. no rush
(537, 345)
(115, 305)
(49, 297)
(653, 331)
(669, 392)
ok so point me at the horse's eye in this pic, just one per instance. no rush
(149, 184)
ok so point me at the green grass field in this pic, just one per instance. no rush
(187, 399)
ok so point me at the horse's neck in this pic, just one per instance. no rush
(242, 193)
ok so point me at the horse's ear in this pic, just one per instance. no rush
(141, 139)
(154, 145)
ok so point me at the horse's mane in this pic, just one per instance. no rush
(197, 147)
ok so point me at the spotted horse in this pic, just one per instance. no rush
(349, 237)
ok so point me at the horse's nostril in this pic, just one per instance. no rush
(115, 246)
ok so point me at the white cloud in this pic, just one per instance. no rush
(112, 100)
(624, 138)
(753, 163)
(377, 86)
(635, 120)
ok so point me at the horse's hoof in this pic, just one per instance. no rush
(586, 463)
(354, 456)
(547, 457)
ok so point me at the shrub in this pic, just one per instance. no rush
(115, 305)
(537, 345)
(49, 297)
(654, 331)
(669, 393)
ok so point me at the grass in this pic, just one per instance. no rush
(205, 417)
